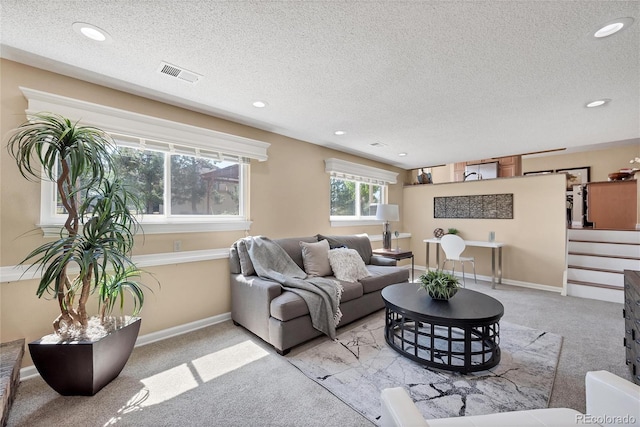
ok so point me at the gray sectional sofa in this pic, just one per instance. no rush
(281, 317)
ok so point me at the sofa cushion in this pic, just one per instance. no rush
(315, 257)
(347, 264)
(288, 305)
(382, 276)
(291, 246)
(359, 242)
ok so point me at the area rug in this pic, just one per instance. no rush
(359, 365)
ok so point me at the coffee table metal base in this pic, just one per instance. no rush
(462, 348)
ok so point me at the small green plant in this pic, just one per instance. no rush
(452, 231)
(439, 285)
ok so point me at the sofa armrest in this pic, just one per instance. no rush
(384, 261)
(398, 410)
(251, 302)
(612, 400)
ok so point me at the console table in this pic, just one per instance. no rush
(461, 334)
(476, 243)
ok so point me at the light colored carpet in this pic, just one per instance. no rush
(360, 364)
(269, 391)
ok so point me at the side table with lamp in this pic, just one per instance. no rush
(388, 213)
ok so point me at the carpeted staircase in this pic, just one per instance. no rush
(596, 261)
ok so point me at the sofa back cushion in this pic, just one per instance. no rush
(291, 246)
(359, 242)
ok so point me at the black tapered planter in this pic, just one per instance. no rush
(83, 368)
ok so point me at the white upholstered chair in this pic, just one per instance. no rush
(453, 246)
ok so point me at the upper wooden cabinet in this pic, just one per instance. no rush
(510, 166)
(458, 171)
(507, 166)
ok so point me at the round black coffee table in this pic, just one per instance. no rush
(462, 334)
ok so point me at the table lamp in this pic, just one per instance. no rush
(387, 213)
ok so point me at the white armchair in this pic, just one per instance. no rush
(611, 400)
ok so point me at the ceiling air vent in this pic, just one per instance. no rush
(177, 72)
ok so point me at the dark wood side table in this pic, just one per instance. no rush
(396, 254)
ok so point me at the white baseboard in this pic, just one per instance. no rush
(31, 371)
(529, 285)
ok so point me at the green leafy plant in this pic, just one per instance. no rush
(452, 231)
(439, 285)
(98, 235)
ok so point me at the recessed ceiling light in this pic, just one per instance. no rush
(339, 132)
(598, 103)
(91, 31)
(259, 104)
(402, 154)
(612, 27)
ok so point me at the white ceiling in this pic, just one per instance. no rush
(443, 81)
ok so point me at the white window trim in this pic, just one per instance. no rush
(139, 126)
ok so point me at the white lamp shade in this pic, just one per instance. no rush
(388, 213)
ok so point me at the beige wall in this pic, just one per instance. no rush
(601, 162)
(289, 196)
(535, 237)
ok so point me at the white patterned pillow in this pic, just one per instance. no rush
(347, 265)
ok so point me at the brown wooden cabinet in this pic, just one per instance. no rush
(507, 166)
(612, 204)
(458, 171)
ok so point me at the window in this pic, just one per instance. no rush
(199, 186)
(356, 190)
(353, 198)
(175, 187)
(190, 179)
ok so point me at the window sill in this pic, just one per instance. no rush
(353, 222)
(53, 229)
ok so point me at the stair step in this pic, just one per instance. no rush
(619, 236)
(603, 270)
(596, 276)
(604, 242)
(603, 262)
(595, 291)
(604, 255)
(613, 249)
(594, 285)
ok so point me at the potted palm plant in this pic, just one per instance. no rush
(439, 285)
(92, 255)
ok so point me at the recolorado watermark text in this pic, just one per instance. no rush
(605, 419)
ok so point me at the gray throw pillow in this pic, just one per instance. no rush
(359, 242)
(315, 257)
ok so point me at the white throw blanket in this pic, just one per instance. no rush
(322, 295)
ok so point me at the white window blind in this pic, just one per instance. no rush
(154, 133)
(354, 171)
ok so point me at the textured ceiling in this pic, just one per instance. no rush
(443, 81)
